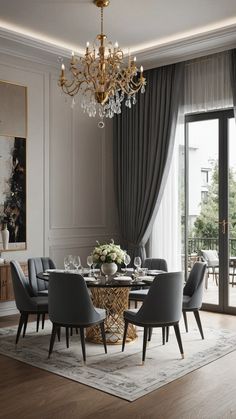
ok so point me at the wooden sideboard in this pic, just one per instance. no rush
(6, 288)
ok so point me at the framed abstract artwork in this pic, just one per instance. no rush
(13, 140)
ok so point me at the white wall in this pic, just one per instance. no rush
(70, 200)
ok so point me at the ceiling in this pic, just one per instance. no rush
(140, 26)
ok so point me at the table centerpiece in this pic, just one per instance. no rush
(108, 255)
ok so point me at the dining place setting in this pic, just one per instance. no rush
(92, 275)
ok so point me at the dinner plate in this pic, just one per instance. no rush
(90, 279)
(123, 279)
(127, 269)
(47, 272)
(147, 279)
(155, 272)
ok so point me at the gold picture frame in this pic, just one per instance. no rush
(13, 142)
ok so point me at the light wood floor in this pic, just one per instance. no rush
(207, 393)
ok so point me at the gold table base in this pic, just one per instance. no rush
(114, 301)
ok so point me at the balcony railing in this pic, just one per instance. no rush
(196, 244)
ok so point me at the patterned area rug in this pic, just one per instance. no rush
(117, 373)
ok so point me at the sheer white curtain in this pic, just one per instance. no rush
(207, 87)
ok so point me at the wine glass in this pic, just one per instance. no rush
(127, 260)
(67, 262)
(94, 267)
(137, 262)
(77, 262)
(89, 263)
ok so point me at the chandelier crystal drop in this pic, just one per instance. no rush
(102, 78)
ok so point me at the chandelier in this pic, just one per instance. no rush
(102, 78)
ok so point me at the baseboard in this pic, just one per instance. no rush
(7, 308)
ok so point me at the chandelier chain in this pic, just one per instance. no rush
(101, 20)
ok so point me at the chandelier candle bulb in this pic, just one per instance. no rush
(63, 70)
(141, 70)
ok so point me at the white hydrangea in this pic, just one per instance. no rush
(109, 252)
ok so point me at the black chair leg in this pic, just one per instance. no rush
(71, 331)
(124, 336)
(21, 322)
(43, 320)
(149, 334)
(179, 340)
(103, 336)
(25, 323)
(136, 304)
(38, 320)
(163, 335)
(198, 320)
(52, 340)
(145, 335)
(59, 334)
(167, 333)
(82, 342)
(67, 337)
(185, 320)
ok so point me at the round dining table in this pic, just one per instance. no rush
(112, 295)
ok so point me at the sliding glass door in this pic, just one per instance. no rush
(210, 204)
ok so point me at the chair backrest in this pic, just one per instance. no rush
(36, 265)
(163, 303)
(153, 263)
(69, 301)
(211, 257)
(22, 291)
(194, 285)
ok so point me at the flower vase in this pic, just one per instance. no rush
(109, 268)
(5, 237)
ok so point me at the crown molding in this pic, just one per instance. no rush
(32, 42)
(190, 47)
(29, 48)
(32, 49)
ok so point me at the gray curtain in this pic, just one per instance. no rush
(143, 139)
(233, 76)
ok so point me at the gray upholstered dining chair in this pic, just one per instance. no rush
(36, 265)
(151, 264)
(212, 260)
(26, 303)
(70, 306)
(162, 307)
(193, 293)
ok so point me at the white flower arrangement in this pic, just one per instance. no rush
(108, 253)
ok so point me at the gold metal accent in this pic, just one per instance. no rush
(224, 225)
(102, 77)
(102, 3)
(114, 301)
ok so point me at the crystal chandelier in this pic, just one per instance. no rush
(102, 77)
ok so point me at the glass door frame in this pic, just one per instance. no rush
(223, 239)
